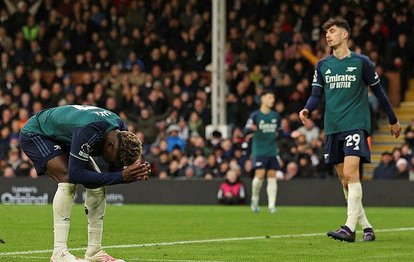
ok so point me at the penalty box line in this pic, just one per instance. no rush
(401, 229)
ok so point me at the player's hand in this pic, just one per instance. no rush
(253, 127)
(303, 115)
(395, 129)
(136, 172)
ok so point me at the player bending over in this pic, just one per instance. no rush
(61, 142)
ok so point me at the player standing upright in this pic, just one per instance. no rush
(345, 77)
(264, 124)
(60, 142)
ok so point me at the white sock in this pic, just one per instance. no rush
(271, 191)
(354, 205)
(362, 218)
(95, 204)
(256, 186)
(345, 193)
(62, 207)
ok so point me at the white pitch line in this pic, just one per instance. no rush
(31, 257)
(173, 260)
(199, 241)
(132, 259)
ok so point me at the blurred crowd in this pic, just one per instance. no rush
(148, 62)
(400, 161)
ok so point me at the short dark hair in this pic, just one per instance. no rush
(267, 91)
(339, 22)
(386, 153)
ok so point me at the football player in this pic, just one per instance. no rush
(61, 142)
(345, 77)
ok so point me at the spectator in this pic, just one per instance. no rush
(8, 172)
(212, 168)
(25, 168)
(199, 166)
(195, 123)
(386, 168)
(6, 43)
(163, 165)
(409, 134)
(292, 170)
(4, 141)
(146, 122)
(231, 191)
(306, 169)
(310, 131)
(31, 29)
(396, 153)
(14, 158)
(173, 140)
(402, 169)
(184, 132)
(406, 153)
(136, 13)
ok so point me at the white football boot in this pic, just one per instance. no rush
(255, 208)
(102, 256)
(65, 256)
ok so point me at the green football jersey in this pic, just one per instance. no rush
(345, 83)
(264, 139)
(78, 131)
(59, 123)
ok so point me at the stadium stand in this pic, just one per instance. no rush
(146, 60)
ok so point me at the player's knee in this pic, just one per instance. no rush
(57, 169)
(59, 177)
(260, 173)
(351, 175)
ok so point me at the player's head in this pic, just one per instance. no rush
(267, 98)
(337, 31)
(122, 148)
(129, 149)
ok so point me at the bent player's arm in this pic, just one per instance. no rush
(80, 173)
(84, 142)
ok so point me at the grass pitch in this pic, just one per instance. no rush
(211, 233)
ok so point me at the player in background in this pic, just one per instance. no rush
(264, 124)
(61, 142)
(345, 77)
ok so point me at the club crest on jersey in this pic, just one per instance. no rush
(350, 68)
(85, 150)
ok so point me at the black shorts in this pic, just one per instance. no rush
(40, 150)
(348, 143)
(266, 162)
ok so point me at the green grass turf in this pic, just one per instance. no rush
(29, 228)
